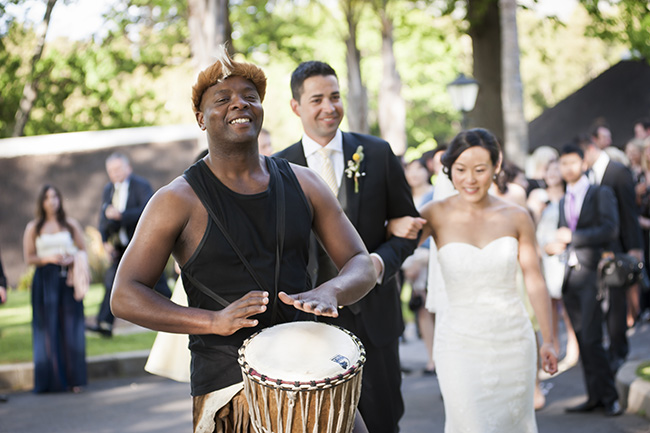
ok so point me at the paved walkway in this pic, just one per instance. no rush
(147, 403)
(425, 411)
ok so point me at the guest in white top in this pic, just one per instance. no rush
(55, 244)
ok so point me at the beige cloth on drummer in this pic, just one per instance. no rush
(170, 356)
(222, 411)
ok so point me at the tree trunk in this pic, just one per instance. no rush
(483, 16)
(515, 127)
(357, 98)
(30, 91)
(209, 27)
(392, 108)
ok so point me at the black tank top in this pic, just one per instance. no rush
(250, 220)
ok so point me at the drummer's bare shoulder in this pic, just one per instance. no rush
(176, 200)
(174, 209)
(312, 184)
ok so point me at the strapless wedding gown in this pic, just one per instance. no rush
(484, 350)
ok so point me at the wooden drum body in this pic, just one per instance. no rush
(302, 377)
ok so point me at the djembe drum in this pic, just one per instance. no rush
(302, 377)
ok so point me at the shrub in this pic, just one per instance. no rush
(98, 259)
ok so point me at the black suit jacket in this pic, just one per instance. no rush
(383, 194)
(3, 279)
(597, 225)
(140, 192)
(619, 178)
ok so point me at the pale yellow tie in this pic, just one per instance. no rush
(327, 170)
(117, 191)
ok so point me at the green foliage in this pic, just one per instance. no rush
(429, 57)
(152, 29)
(643, 370)
(98, 260)
(83, 89)
(116, 80)
(625, 21)
(10, 88)
(98, 83)
(416, 152)
(275, 28)
(557, 59)
(25, 280)
(405, 296)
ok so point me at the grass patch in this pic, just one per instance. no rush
(16, 329)
(643, 371)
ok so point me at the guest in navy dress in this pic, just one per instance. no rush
(55, 244)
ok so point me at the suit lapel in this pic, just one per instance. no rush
(109, 199)
(588, 197)
(350, 145)
(130, 196)
(296, 154)
(606, 174)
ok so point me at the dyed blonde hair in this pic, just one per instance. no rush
(223, 68)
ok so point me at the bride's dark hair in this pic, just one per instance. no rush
(464, 140)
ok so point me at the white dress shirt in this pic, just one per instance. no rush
(335, 148)
(599, 167)
(121, 206)
(579, 191)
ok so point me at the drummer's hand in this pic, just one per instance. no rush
(312, 302)
(237, 315)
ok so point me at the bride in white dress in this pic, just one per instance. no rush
(485, 345)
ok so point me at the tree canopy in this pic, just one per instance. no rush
(139, 70)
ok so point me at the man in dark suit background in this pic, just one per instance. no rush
(3, 299)
(369, 182)
(588, 223)
(123, 201)
(615, 175)
(3, 285)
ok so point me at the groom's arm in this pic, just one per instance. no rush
(399, 204)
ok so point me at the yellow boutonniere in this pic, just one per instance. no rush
(354, 168)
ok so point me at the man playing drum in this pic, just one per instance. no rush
(238, 224)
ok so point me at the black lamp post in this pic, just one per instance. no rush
(463, 91)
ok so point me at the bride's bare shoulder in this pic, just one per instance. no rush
(513, 213)
(435, 211)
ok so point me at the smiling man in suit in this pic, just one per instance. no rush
(604, 171)
(123, 201)
(588, 223)
(369, 182)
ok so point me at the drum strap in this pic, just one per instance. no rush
(199, 285)
(280, 227)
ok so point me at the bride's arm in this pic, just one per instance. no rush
(427, 212)
(529, 261)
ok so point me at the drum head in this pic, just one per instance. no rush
(301, 351)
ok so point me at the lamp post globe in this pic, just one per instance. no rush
(463, 92)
